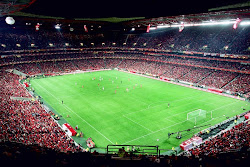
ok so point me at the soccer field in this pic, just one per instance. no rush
(114, 107)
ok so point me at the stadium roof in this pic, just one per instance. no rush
(100, 10)
(130, 14)
(193, 18)
(11, 6)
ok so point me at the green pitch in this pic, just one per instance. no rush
(114, 107)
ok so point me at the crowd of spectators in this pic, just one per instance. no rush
(29, 69)
(10, 86)
(15, 154)
(28, 39)
(195, 75)
(240, 84)
(25, 121)
(170, 67)
(235, 139)
(216, 39)
(204, 39)
(218, 79)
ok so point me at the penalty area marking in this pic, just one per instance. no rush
(173, 125)
(153, 132)
(137, 123)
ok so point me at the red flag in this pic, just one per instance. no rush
(26, 84)
(236, 23)
(148, 27)
(37, 26)
(85, 28)
(181, 27)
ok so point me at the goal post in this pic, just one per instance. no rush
(199, 115)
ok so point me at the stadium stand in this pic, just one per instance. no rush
(234, 139)
(27, 122)
(205, 39)
(164, 66)
(29, 133)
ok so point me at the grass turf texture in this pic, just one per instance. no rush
(138, 116)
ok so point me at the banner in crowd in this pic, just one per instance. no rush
(68, 129)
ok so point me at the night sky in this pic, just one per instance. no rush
(123, 8)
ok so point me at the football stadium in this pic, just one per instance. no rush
(140, 91)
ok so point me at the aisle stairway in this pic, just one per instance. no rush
(230, 81)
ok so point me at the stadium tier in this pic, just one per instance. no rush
(194, 82)
(221, 74)
(216, 39)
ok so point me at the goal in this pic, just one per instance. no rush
(198, 115)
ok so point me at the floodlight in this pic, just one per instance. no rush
(175, 25)
(245, 23)
(57, 26)
(152, 28)
(163, 26)
(10, 20)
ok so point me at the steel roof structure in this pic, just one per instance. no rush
(193, 18)
(11, 6)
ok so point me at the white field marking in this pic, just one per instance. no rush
(161, 111)
(108, 87)
(137, 99)
(224, 106)
(199, 108)
(186, 111)
(178, 113)
(167, 109)
(140, 102)
(183, 85)
(149, 106)
(165, 118)
(69, 109)
(176, 101)
(169, 120)
(173, 125)
(159, 105)
(153, 132)
(137, 123)
(211, 119)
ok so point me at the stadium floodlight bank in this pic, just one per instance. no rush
(199, 115)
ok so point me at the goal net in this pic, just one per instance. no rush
(198, 115)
